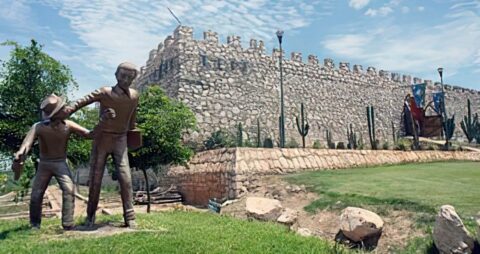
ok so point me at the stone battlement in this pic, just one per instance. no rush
(185, 34)
(230, 83)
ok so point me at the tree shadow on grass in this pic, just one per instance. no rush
(4, 234)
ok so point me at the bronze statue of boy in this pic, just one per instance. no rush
(52, 134)
(110, 138)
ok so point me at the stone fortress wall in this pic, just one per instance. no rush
(226, 84)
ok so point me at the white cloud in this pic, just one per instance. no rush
(14, 12)
(405, 9)
(453, 44)
(358, 4)
(122, 30)
(382, 11)
(421, 8)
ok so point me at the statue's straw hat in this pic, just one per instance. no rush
(51, 105)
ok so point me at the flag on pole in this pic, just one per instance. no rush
(437, 100)
(419, 94)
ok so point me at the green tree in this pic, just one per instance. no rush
(79, 148)
(25, 79)
(163, 122)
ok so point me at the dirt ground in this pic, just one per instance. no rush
(398, 225)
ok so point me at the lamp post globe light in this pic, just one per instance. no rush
(282, 116)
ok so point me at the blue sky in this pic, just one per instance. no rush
(410, 37)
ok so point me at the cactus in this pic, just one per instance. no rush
(449, 128)
(330, 144)
(371, 127)
(394, 137)
(303, 128)
(352, 138)
(477, 137)
(258, 133)
(469, 124)
(239, 135)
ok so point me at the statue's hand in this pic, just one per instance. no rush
(68, 109)
(18, 155)
(109, 113)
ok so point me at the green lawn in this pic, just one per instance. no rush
(186, 232)
(418, 187)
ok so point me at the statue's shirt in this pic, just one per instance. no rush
(123, 103)
(53, 138)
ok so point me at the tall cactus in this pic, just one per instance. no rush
(330, 144)
(303, 127)
(371, 127)
(239, 135)
(449, 128)
(352, 138)
(469, 124)
(394, 133)
(258, 133)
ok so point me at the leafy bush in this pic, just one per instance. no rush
(403, 144)
(268, 143)
(317, 144)
(3, 182)
(218, 139)
(340, 145)
(292, 143)
(163, 122)
(385, 145)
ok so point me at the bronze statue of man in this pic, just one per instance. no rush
(110, 138)
(52, 134)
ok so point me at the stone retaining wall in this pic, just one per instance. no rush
(228, 173)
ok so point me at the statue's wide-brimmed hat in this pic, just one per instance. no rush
(51, 105)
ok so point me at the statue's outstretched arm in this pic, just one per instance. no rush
(27, 143)
(79, 130)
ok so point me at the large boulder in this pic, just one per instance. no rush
(449, 233)
(263, 208)
(360, 225)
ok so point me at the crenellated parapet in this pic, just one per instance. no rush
(371, 71)
(234, 40)
(296, 56)
(312, 60)
(344, 66)
(211, 37)
(328, 63)
(226, 83)
(183, 33)
(358, 69)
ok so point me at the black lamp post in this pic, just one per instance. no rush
(282, 116)
(444, 110)
(440, 71)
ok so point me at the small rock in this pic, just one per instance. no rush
(360, 225)
(288, 217)
(263, 208)
(296, 189)
(288, 188)
(304, 232)
(449, 233)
